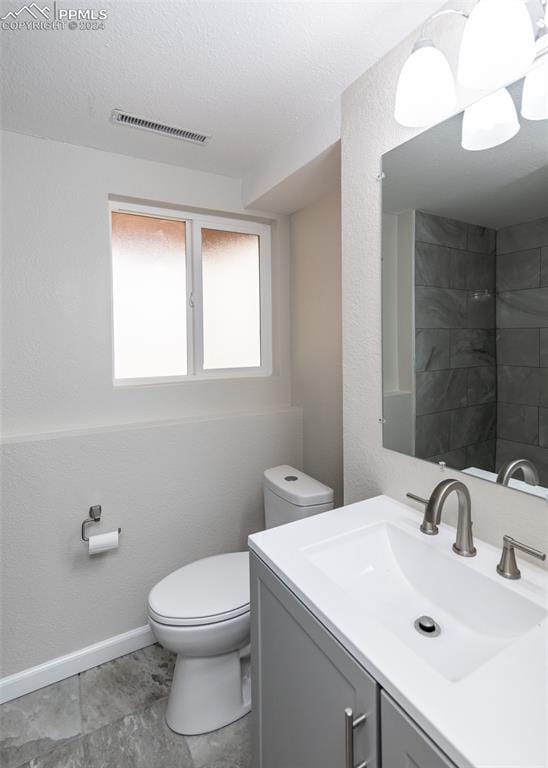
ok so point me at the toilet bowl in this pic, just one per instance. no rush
(201, 613)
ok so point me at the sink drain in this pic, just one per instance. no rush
(427, 626)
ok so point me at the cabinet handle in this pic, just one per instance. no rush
(349, 724)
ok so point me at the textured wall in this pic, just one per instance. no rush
(179, 491)
(368, 131)
(522, 344)
(316, 337)
(456, 382)
(56, 291)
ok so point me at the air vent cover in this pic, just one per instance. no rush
(123, 118)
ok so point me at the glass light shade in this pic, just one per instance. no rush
(498, 45)
(426, 88)
(534, 101)
(490, 122)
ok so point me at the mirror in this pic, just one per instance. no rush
(465, 303)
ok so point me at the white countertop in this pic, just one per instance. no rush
(494, 717)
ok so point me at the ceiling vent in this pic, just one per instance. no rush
(123, 118)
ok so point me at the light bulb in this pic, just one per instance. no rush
(426, 88)
(498, 44)
(489, 122)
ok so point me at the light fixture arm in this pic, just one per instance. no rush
(445, 12)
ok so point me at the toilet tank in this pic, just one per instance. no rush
(291, 495)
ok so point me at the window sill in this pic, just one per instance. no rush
(227, 375)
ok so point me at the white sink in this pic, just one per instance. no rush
(395, 577)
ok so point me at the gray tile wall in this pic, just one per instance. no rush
(456, 382)
(522, 344)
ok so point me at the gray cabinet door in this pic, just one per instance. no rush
(404, 745)
(303, 680)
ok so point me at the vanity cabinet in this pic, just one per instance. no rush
(403, 744)
(305, 683)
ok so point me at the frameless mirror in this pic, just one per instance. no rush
(465, 303)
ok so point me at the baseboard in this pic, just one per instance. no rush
(32, 679)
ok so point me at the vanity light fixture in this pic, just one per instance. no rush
(490, 121)
(498, 45)
(534, 100)
(426, 88)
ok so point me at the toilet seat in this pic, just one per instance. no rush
(208, 591)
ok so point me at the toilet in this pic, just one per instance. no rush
(201, 613)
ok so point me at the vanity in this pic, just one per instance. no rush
(376, 646)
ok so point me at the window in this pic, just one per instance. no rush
(191, 296)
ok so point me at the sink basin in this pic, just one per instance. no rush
(395, 577)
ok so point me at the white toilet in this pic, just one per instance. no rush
(201, 612)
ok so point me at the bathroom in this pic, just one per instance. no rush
(378, 328)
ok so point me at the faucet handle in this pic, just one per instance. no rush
(508, 567)
(428, 524)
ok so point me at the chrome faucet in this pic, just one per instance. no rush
(509, 469)
(464, 543)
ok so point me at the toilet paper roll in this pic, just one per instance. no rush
(103, 542)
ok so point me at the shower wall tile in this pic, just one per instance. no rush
(441, 390)
(544, 347)
(481, 455)
(433, 265)
(508, 451)
(481, 309)
(482, 385)
(432, 434)
(439, 308)
(518, 346)
(440, 231)
(472, 271)
(481, 239)
(543, 427)
(521, 237)
(432, 349)
(544, 267)
(523, 309)
(518, 385)
(517, 271)
(519, 423)
(472, 347)
(472, 425)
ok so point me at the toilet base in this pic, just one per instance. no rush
(209, 693)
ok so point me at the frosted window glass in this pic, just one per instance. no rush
(231, 299)
(149, 293)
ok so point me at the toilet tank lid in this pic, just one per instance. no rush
(294, 486)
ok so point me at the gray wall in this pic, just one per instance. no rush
(456, 386)
(522, 344)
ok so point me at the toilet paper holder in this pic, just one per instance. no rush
(94, 516)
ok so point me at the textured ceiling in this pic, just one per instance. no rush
(249, 73)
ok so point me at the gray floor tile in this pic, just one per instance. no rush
(70, 755)
(124, 686)
(37, 723)
(229, 747)
(141, 740)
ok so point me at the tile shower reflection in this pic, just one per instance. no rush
(465, 261)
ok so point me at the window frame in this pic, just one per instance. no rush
(194, 297)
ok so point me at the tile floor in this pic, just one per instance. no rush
(112, 716)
